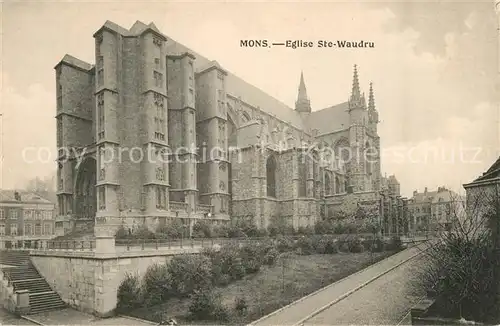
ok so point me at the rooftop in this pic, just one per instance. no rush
(331, 119)
(9, 196)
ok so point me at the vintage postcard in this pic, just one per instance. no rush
(249, 163)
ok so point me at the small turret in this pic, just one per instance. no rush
(357, 99)
(302, 104)
(373, 118)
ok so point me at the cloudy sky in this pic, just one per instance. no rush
(433, 67)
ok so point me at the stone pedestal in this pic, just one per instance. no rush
(23, 302)
(105, 244)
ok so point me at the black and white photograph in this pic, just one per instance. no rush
(256, 163)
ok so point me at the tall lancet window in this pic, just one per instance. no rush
(302, 164)
(101, 116)
(328, 188)
(271, 176)
(159, 117)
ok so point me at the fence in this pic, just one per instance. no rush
(128, 244)
(143, 244)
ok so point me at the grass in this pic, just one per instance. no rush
(273, 287)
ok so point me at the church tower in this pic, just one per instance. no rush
(357, 117)
(303, 104)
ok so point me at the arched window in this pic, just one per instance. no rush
(337, 185)
(328, 187)
(302, 175)
(271, 176)
(343, 150)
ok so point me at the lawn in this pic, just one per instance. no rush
(273, 287)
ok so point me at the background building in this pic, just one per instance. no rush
(435, 210)
(483, 199)
(268, 160)
(24, 218)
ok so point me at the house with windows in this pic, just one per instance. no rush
(435, 210)
(24, 218)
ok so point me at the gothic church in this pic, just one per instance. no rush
(267, 162)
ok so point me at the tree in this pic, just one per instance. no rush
(44, 188)
(462, 268)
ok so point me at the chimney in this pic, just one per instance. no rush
(414, 193)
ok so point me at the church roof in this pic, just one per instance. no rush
(331, 119)
(72, 61)
(239, 88)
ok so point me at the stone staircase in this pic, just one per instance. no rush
(22, 275)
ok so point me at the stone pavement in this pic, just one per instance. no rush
(69, 316)
(385, 301)
(6, 318)
(299, 310)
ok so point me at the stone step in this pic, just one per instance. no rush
(40, 286)
(48, 307)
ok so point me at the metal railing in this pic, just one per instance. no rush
(143, 244)
(73, 245)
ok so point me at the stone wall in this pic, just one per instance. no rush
(90, 284)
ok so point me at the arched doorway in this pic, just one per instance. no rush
(85, 191)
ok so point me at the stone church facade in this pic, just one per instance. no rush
(154, 132)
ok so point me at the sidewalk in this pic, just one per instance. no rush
(296, 312)
(69, 316)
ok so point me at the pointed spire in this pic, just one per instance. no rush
(356, 93)
(302, 104)
(302, 88)
(371, 99)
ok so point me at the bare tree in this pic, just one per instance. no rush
(461, 268)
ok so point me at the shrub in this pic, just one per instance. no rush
(189, 273)
(323, 227)
(143, 233)
(207, 305)
(355, 245)
(367, 244)
(251, 257)
(129, 293)
(202, 229)
(173, 230)
(262, 233)
(271, 257)
(248, 228)
(230, 263)
(240, 305)
(122, 233)
(331, 246)
(395, 243)
(220, 231)
(305, 230)
(377, 245)
(305, 245)
(236, 232)
(284, 243)
(462, 273)
(156, 284)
